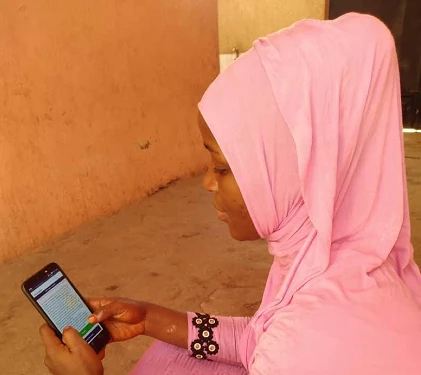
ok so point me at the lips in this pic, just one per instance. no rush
(222, 215)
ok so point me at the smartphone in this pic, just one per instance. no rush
(61, 305)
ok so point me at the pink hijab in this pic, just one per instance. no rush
(310, 122)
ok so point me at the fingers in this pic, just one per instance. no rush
(49, 338)
(101, 354)
(96, 303)
(73, 356)
(112, 310)
(73, 340)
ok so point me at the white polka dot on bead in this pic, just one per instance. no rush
(212, 348)
(206, 334)
(212, 321)
(199, 321)
(197, 346)
(199, 356)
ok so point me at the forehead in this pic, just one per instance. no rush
(207, 135)
(208, 138)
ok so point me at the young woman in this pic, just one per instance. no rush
(305, 135)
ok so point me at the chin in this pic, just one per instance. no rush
(237, 237)
(241, 235)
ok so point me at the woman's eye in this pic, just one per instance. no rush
(221, 171)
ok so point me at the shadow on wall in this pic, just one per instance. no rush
(226, 59)
(98, 108)
(241, 22)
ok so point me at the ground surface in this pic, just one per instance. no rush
(169, 249)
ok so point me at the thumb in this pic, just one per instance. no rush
(72, 339)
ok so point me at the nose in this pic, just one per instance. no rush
(209, 181)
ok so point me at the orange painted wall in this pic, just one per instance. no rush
(97, 107)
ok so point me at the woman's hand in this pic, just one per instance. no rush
(123, 318)
(126, 319)
(71, 356)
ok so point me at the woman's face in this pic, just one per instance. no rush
(228, 201)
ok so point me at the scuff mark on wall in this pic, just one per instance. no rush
(144, 146)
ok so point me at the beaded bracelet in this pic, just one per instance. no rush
(204, 345)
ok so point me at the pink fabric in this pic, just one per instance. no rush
(310, 122)
(165, 359)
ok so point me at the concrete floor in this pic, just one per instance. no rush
(168, 249)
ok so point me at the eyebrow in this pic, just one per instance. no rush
(209, 148)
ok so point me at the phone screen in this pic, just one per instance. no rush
(60, 302)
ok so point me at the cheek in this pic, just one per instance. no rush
(231, 198)
(242, 228)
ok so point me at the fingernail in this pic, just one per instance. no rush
(66, 328)
(92, 319)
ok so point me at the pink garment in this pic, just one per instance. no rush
(310, 123)
(165, 359)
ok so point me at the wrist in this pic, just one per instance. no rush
(149, 319)
(166, 325)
